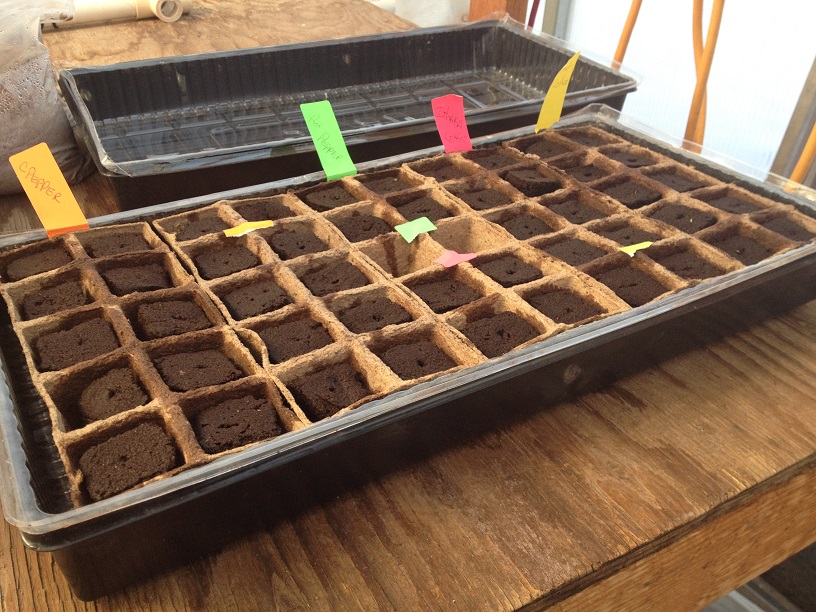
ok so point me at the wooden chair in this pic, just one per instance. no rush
(479, 9)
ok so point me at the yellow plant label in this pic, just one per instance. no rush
(554, 100)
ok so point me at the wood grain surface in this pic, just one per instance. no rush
(765, 526)
(219, 25)
(662, 491)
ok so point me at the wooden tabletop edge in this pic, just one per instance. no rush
(787, 484)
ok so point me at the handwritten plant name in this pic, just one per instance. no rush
(40, 183)
(561, 81)
(454, 120)
(323, 141)
(328, 148)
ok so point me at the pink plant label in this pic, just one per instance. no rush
(449, 114)
(452, 258)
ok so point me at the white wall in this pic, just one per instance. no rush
(429, 13)
(764, 52)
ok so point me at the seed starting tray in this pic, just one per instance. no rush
(545, 215)
(193, 125)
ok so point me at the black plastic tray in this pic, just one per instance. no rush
(169, 129)
(104, 545)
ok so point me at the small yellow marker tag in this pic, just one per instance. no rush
(634, 248)
(554, 100)
(248, 226)
(48, 191)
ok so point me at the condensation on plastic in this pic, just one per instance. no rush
(19, 499)
(151, 117)
(31, 110)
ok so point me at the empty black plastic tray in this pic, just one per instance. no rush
(168, 129)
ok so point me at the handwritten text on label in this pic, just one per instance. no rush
(40, 183)
(47, 190)
(553, 103)
(449, 114)
(328, 139)
(324, 142)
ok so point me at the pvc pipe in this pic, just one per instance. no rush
(95, 11)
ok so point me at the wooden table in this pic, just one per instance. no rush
(663, 491)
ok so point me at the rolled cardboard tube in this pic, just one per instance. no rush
(704, 69)
(96, 11)
(626, 34)
(806, 159)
